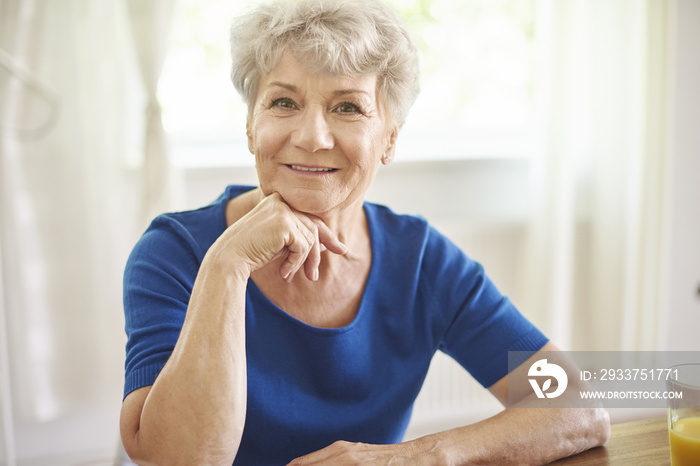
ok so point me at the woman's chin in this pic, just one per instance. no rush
(314, 203)
(308, 205)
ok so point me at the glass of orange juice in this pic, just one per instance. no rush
(683, 391)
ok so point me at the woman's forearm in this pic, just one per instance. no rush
(195, 410)
(519, 436)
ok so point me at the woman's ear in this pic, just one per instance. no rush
(390, 150)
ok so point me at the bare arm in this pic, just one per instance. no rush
(518, 436)
(194, 413)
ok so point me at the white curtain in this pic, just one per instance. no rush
(592, 274)
(71, 206)
(150, 24)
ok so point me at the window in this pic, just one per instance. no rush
(478, 82)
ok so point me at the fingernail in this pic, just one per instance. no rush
(315, 275)
(285, 275)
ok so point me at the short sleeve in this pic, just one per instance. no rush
(158, 281)
(481, 324)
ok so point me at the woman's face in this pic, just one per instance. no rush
(318, 138)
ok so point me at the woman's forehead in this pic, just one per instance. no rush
(295, 75)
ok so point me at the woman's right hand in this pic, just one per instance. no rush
(273, 230)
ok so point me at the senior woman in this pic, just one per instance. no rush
(295, 322)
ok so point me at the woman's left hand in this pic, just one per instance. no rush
(344, 453)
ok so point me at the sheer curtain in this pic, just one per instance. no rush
(150, 24)
(592, 274)
(71, 207)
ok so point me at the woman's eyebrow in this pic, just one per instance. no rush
(342, 92)
(289, 87)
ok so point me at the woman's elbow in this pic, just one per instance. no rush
(159, 455)
(166, 443)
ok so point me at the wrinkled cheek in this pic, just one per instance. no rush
(265, 180)
(265, 175)
(264, 165)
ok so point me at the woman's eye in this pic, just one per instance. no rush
(283, 103)
(347, 108)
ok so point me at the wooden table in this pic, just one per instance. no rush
(637, 443)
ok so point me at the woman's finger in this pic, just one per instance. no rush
(313, 260)
(299, 242)
(329, 239)
(320, 234)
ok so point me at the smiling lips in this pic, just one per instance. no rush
(312, 169)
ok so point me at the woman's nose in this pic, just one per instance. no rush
(312, 133)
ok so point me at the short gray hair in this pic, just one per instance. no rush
(342, 37)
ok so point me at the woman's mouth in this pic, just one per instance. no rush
(311, 169)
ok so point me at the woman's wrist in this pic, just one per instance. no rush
(229, 267)
(432, 449)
